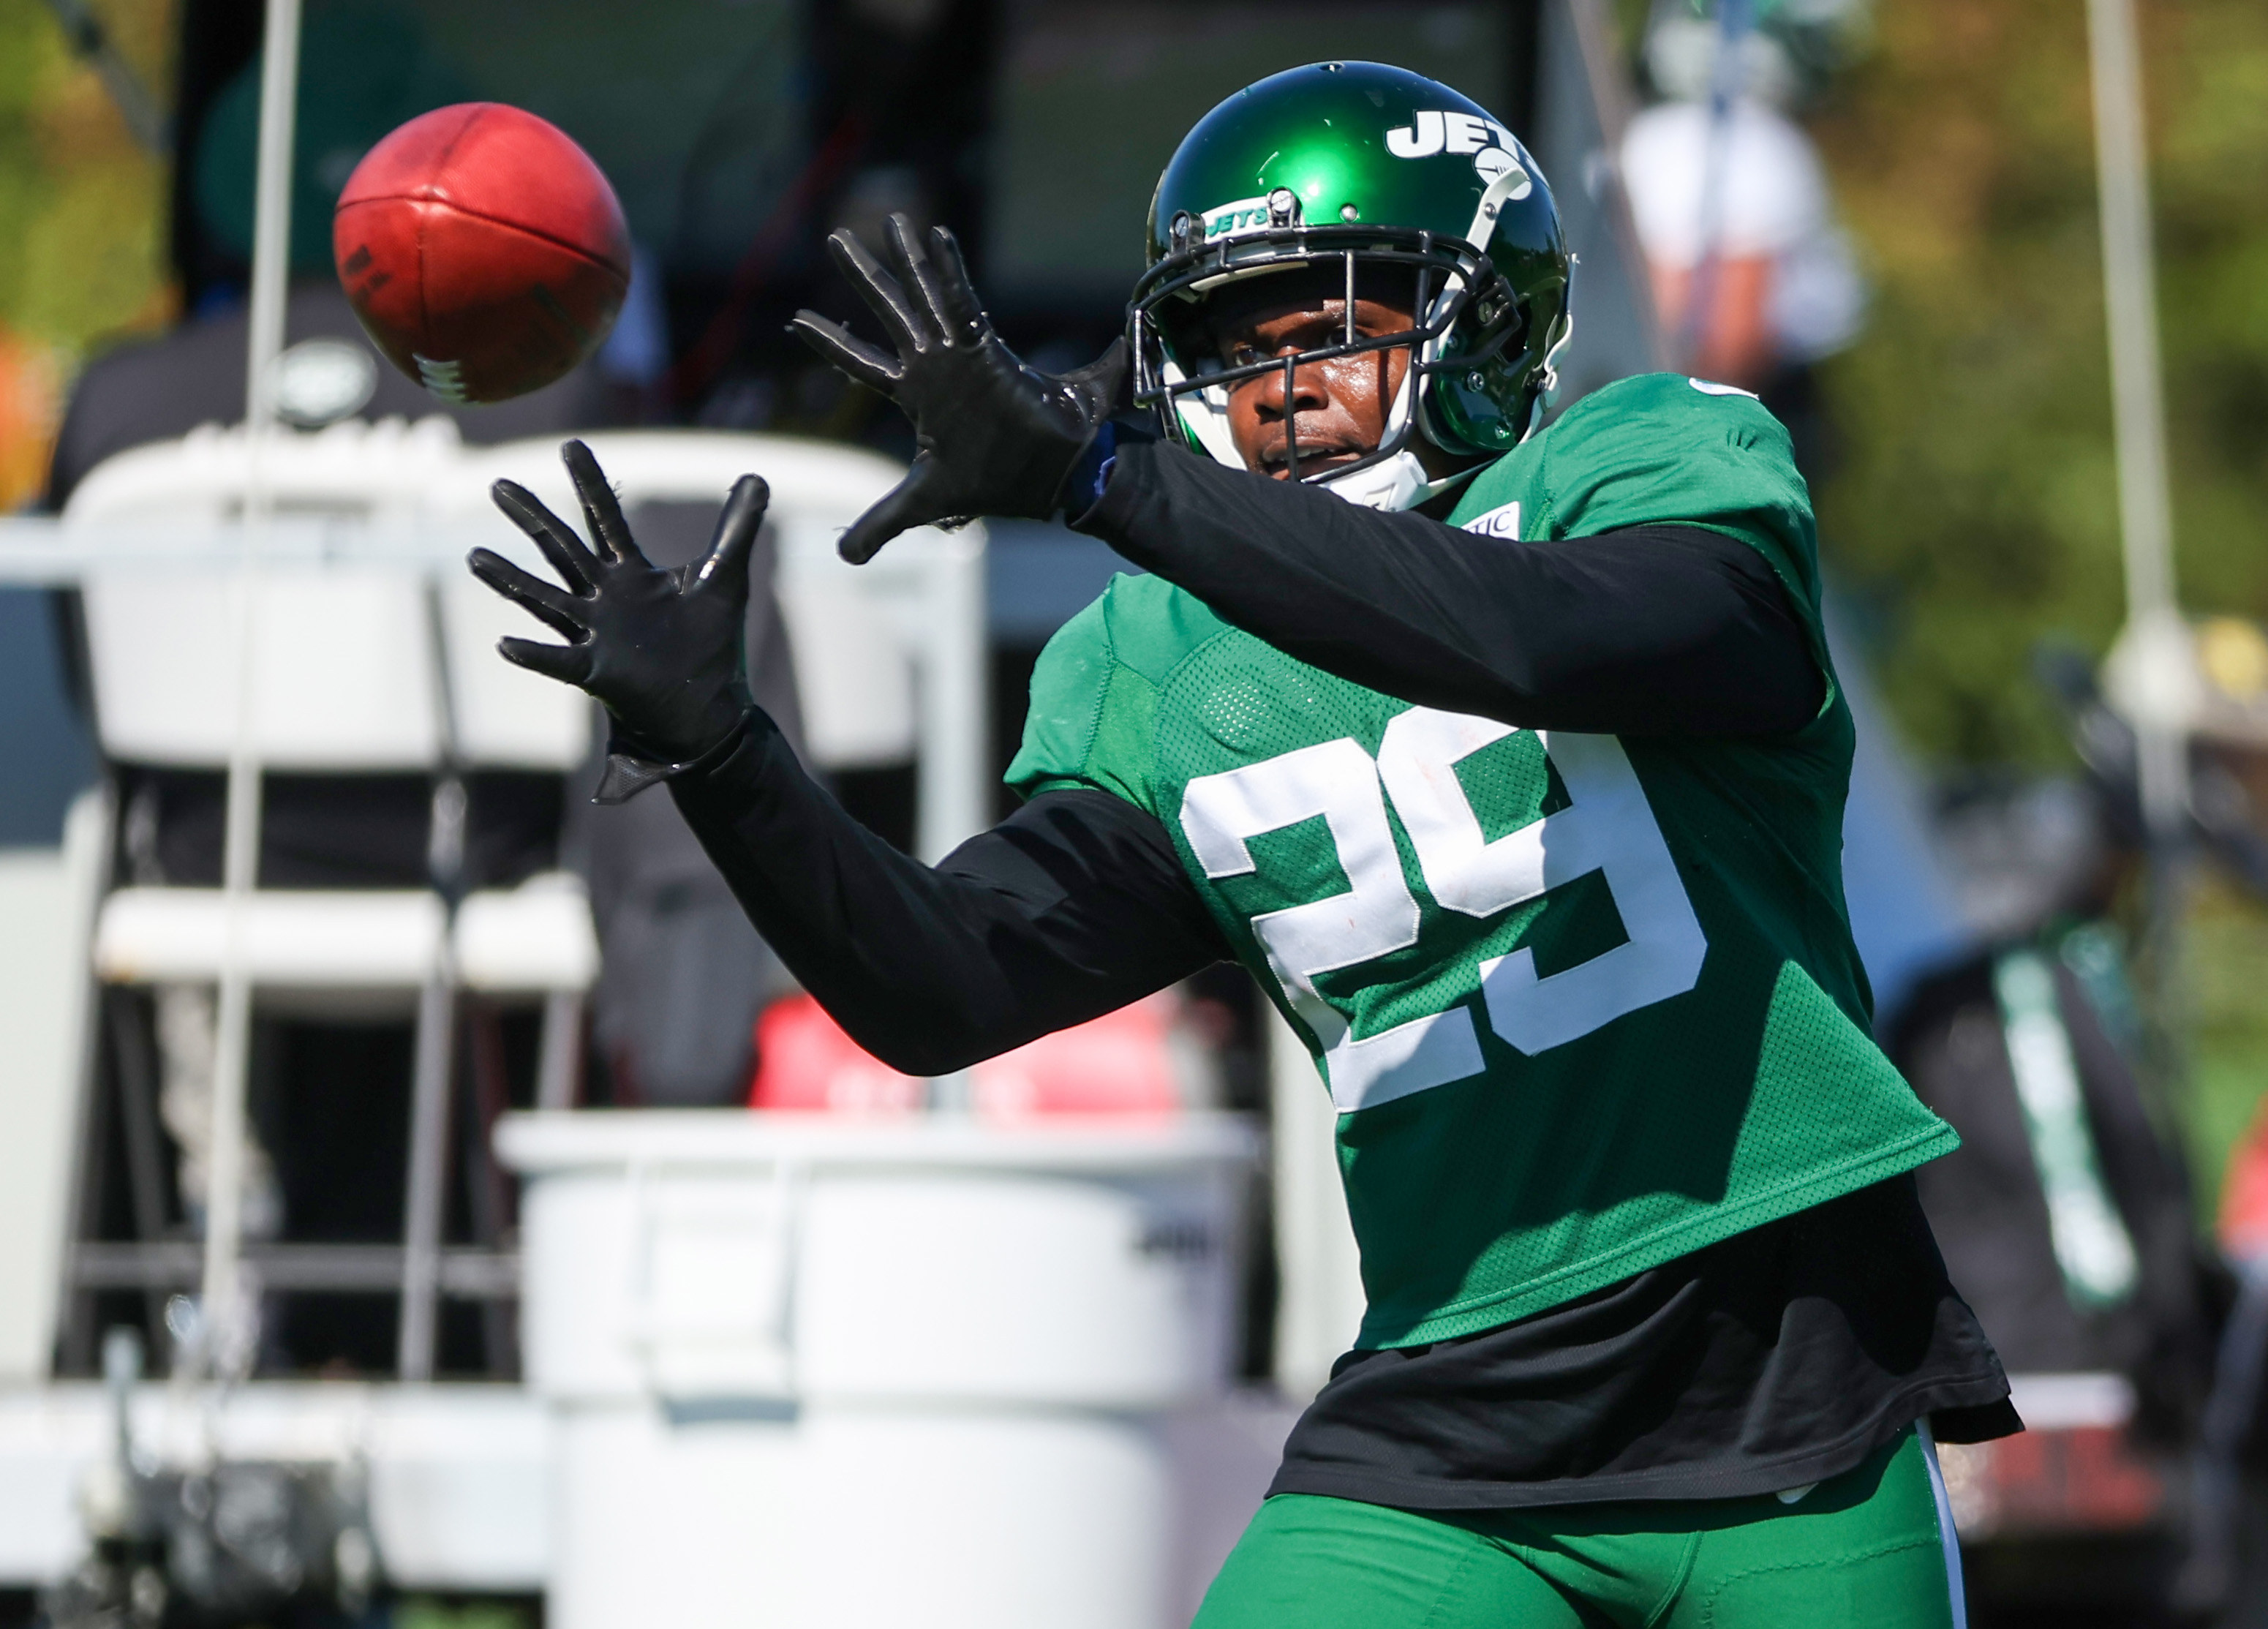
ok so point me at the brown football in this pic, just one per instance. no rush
(484, 252)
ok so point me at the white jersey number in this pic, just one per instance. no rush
(1608, 828)
(1376, 915)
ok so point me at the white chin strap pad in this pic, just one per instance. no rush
(1399, 482)
(1392, 484)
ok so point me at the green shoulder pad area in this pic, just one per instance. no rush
(1662, 447)
(1094, 692)
(1656, 449)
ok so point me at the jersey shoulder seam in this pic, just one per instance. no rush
(1100, 702)
(1541, 528)
(1164, 680)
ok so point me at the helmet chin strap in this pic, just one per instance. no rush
(1393, 485)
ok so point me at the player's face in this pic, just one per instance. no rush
(1339, 407)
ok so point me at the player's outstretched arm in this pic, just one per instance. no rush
(1074, 906)
(1664, 630)
(1071, 907)
(997, 438)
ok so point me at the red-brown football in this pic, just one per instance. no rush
(483, 251)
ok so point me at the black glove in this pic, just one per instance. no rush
(664, 650)
(997, 438)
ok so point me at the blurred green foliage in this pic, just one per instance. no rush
(82, 207)
(1976, 503)
(1976, 500)
(426, 1612)
(2224, 963)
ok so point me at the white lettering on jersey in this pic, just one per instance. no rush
(1375, 916)
(1609, 828)
(1502, 521)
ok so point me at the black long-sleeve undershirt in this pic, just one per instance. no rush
(1078, 904)
(1666, 630)
(1071, 907)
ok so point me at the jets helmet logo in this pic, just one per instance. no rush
(1429, 133)
(1244, 214)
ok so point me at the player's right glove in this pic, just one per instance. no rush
(996, 436)
(664, 650)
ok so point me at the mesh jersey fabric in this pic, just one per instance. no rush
(1586, 1003)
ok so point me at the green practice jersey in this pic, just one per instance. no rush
(1584, 1003)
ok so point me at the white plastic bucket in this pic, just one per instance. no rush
(813, 1372)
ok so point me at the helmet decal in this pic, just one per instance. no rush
(1430, 133)
(1277, 209)
(1493, 164)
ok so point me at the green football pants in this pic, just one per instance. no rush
(1872, 1546)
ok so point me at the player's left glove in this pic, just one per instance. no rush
(663, 649)
(996, 436)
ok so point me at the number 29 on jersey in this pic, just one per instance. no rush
(1607, 828)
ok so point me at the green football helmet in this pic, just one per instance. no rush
(1363, 173)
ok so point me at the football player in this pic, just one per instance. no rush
(1511, 761)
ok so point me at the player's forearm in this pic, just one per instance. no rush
(1065, 912)
(1655, 632)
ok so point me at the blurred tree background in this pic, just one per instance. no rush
(1974, 508)
(82, 217)
(1977, 499)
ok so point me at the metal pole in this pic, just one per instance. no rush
(417, 1334)
(1603, 72)
(2137, 394)
(228, 1342)
(952, 790)
(2165, 664)
(1320, 1306)
(271, 240)
(559, 1056)
(143, 117)
(427, 1190)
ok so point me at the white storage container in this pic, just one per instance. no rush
(809, 1371)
